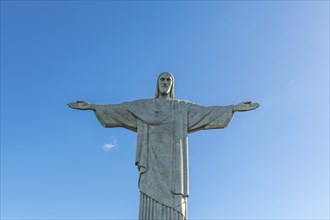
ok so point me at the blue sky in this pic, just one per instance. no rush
(58, 163)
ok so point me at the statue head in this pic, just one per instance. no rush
(165, 85)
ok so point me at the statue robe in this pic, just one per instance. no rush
(162, 148)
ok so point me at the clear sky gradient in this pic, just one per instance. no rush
(59, 163)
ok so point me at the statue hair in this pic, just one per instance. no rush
(157, 94)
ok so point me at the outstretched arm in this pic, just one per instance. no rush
(111, 115)
(245, 106)
(81, 105)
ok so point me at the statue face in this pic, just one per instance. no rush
(165, 83)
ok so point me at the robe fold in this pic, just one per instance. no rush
(162, 147)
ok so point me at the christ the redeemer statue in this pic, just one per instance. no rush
(162, 125)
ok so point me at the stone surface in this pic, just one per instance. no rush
(163, 125)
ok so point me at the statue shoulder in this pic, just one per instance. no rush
(184, 102)
(139, 102)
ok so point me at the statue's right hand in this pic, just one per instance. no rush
(81, 105)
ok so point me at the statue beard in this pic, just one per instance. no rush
(165, 94)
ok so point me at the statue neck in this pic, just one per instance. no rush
(164, 96)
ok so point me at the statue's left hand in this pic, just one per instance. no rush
(245, 106)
